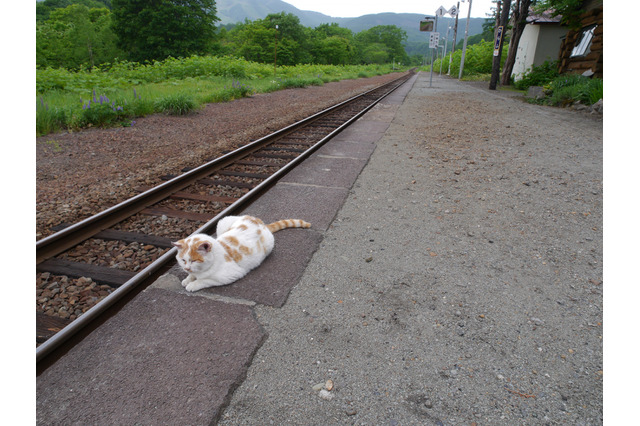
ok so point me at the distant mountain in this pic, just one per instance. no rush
(232, 11)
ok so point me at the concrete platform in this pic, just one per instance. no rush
(170, 357)
(164, 359)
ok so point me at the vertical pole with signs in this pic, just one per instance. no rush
(434, 39)
(429, 25)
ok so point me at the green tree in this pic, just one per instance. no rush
(253, 41)
(332, 45)
(156, 29)
(256, 41)
(75, 36)
(389, 36)
(44, 8)
(375, 53)
(292, 37)
(333, 29)
(569, 10)
(334, 50)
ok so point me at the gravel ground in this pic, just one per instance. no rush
(461, 283)
(79, 174)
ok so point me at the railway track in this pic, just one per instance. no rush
(104, 259)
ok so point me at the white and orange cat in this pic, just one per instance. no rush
(242, 243)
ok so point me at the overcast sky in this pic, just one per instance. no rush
(348, 9)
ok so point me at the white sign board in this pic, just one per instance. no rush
(434, 39)
(441, 11)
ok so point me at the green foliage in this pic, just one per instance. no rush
(538, 75)
(237, 90)
(126, 74)
(293, 83)
(175, 86)
(333, 50)
(44, 8)
(49, 120)
(75, 37)
(160, 29)
(478, 60)
(260, 41)
(101, 112)
(569, 10)
(567, 89)
(177, 104)
(381, 44)
(81, 34)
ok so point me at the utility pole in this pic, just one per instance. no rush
(497, 50)
(275, 53)
(464, 45)
(455, 30)
(446, 40)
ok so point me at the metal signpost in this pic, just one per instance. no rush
(434, 39)
(429, 25)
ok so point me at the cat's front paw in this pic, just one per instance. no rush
(194, 286)
(188, 280)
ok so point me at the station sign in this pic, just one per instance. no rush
(496, 45)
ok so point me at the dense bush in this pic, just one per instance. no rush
(538, 75)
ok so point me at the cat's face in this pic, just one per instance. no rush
(193, 254)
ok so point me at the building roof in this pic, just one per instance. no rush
(543, 18)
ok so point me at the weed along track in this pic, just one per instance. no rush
(86, 269)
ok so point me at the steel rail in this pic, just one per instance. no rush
(142, 199)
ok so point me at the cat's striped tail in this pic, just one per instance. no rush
(287, 223)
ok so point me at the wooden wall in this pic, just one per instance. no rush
(592, 61)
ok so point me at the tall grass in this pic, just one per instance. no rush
(174, 86)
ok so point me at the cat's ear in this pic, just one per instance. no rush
(204, 247)
(179, 244)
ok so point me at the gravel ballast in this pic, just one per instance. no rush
(461, 283)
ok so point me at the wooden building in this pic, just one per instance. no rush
(581, 52)
(540, 41)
